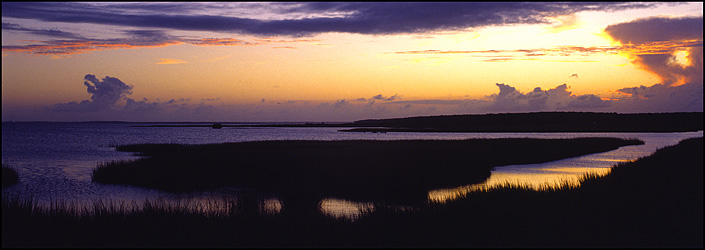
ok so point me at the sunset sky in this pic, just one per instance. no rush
(333, 62)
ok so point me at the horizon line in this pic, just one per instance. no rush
(330, 122)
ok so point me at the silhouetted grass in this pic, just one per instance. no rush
(655, 201)
(9, 177)
(358, 169)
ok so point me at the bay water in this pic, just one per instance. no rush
(55, 159)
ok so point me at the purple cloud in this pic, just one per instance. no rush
(653, 32)
(104, 95)
(313, 17)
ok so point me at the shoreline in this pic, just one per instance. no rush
(621, 209)
(507, 122)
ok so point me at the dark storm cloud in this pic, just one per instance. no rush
(654, 32)
(681, 87)
(657, 29)
(361, 18)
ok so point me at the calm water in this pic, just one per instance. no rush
(54, 160)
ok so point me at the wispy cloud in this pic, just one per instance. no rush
(170, 61)
(649, 48)
(522, 54)
(150, 24)
(218, 42)
(216, 59)
(132, 39)
(303, 19)
(43, 32)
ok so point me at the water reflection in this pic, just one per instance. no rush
(50, 170)
(566, 172)
(339, 208)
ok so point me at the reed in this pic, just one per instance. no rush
(655, 201)
(358, 170)
(9, 177)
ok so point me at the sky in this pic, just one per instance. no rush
(341, 62)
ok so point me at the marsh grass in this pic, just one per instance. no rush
(110, 224)
(357, 170)
(9, 177)
(655, 201)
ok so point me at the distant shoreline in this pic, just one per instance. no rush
(509, 122)
(535, 122)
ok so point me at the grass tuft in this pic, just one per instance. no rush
(9, 177)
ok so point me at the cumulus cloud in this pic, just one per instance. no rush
(142, 107)
(109, 101)
(509, 99)
(341, 103)
(662, 98)
(104, 95)
(383, 98)
(588, 101)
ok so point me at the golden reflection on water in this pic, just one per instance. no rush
(534, 176)
(344, 209)
(539, 178)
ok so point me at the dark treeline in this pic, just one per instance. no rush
(508, 122)
(539, 122)
(656, 201)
